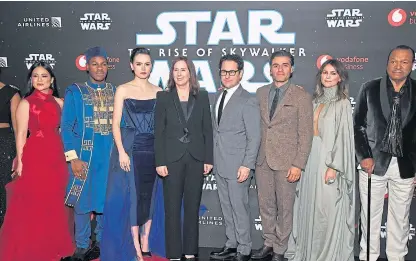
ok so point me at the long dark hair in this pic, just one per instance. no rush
(343, 85)
(193, 82)
(48, 68)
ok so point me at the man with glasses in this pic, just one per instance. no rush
(236, 125)
(287, 130)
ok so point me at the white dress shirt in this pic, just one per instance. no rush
(230, 92)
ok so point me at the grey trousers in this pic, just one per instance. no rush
(235, 209)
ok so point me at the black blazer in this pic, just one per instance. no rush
(371, 115)
(169, 129)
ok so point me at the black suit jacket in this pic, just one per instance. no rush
(371, 115)
(169, 128)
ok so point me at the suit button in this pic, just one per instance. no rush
(269, 127)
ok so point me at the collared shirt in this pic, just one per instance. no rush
(230, 92)
(404, 100)
(282, 89)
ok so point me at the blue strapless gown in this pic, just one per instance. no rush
(133, 197)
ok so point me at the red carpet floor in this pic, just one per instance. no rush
(153, 258)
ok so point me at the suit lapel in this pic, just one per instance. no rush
(232, 102)
(190, 106)
(384, 100)
(177, 103)
(412, 100)
(264, 103)
(213, 110)
(285, 100)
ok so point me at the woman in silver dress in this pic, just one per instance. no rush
(324, 216)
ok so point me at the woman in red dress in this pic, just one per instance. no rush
(36, 226)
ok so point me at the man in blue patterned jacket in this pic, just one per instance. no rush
(87, 135)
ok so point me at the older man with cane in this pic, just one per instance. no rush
(385, 144)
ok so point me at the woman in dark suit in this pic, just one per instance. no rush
(183, 154)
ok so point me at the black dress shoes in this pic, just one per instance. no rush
(263, 252)
(85, 254)
(277, 257)
(94, 253)
(79, 255)
(224, 253)
(241, 257)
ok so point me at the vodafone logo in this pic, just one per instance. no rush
(397, 17)
(81, 63)
(321, 59)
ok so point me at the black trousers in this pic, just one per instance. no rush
(7, 154)
(184, 182)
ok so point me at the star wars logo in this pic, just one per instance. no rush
(253, 33)
(262, 24)
(344, 18)
(383, 232)
(45, 57)
(95, 22)
(210, 183)
(257, 224)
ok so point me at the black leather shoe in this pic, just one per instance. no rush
(94, 252)
(241, 257)
(263, 252)
(277, 257)
(79, 254)
(224, 253)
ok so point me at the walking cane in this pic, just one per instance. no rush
(368, 214)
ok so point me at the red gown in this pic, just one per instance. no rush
(37, 223)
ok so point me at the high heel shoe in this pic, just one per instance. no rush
(147, 254)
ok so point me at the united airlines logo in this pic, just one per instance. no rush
(31, 22)
(3, 62)
(56, 22)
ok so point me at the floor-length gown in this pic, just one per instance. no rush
(7, 145)
(36, 226)
(131, 196)
(324, 214)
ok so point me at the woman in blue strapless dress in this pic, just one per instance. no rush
(133, 211)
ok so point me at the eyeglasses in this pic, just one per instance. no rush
(231, 72)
